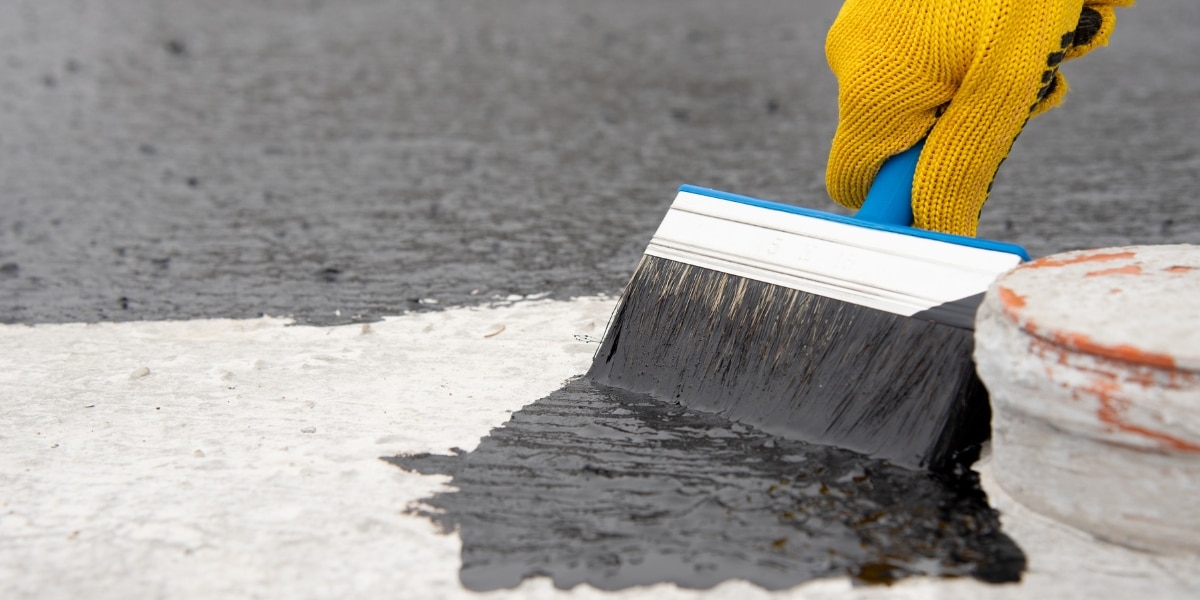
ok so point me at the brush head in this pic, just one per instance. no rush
(810, 326)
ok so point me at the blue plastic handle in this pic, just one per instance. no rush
(889, 201)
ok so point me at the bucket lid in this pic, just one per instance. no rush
(1139, 304)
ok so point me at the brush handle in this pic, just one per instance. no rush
(889, 201)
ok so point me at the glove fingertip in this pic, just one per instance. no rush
(1095, 28)
(843, 184)
(1052, 95)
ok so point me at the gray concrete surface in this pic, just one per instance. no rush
(168, 159)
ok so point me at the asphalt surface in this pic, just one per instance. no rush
(339, 161)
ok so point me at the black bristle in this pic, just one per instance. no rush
(797, 364)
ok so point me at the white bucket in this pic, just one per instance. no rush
(1092, 361)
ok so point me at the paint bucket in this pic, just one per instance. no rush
(1092, 362)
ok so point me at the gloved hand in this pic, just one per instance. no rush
(964, 74)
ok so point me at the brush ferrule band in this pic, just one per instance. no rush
(836, 258)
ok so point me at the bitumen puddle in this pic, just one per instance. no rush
(601, 486)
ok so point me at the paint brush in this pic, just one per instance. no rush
(847, 331)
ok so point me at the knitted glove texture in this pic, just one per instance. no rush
(964, 74)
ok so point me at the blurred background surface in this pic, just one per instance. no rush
(340, 161)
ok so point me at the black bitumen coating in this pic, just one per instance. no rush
(169, 159)
(614, 489)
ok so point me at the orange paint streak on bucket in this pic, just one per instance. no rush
(1112, 411)
(1123, 352)
(1053, 261)
(1127, 270)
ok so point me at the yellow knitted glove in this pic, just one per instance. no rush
(964, 74)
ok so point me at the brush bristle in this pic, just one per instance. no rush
(797, 364)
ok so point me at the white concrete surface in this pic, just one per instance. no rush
(1091, 359)
(239, 459)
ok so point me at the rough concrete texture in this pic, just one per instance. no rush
(174, 159)
(1092, 359)
(240, 459)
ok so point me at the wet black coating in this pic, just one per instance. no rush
(614, 489)
(958, 313)
(798, 364)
